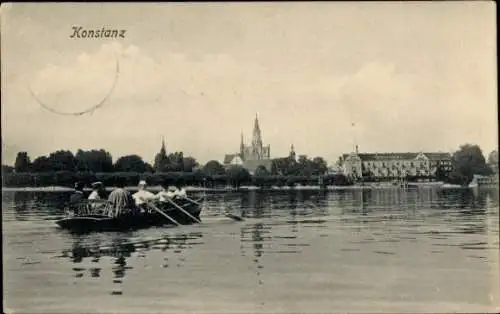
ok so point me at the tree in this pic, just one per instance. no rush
(42, 164)
(302, 160)
(213, 167)
(189, 163)
(130, 163)
(468, 161)
(261, 171)
(22, 163)
(305, 166)
(285, 166)
(237, 175)
(63, 160)
(149, 168)
(94, 160)
(319, 166)
(493, 158)
(7, 169)
(176, 161)
(493, 161)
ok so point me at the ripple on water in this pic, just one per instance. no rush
(388, 245)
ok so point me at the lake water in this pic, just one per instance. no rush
(415, 250)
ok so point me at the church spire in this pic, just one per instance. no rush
(292, 153)
(163, 149)
(257, 137)
(242, 145)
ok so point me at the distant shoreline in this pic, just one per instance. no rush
(242, 188)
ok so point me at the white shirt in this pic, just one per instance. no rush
(180, 193)
(142, 196)
(163, 196)
(94, 196)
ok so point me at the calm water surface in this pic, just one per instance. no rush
(419, 250)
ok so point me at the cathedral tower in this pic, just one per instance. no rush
(257, 139)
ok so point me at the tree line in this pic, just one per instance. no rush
(62, 167)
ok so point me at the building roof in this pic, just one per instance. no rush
(438, 156)
(397, 156)
(229, 157)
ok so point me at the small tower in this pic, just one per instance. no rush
(292, 153)
(242, 147)
(163, 150)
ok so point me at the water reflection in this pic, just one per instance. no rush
(400, 238)
(119, 249)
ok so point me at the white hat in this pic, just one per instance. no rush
(96, 184)
(142, 182)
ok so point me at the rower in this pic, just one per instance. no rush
(142, 196)
(180, 192)
(165, 194)
(120, 199)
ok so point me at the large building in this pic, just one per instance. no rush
(395, 165)
(252, 156)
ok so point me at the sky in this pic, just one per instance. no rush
(414, 76)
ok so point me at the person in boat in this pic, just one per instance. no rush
(119, 199)
(97, 191)
(166, 193)
(180, 192)
(77, 195)
(95, 196)
(164, 197)
(143, 196)
(76, 198)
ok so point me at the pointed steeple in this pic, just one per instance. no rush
(257, 137)
(163, 150)
(161, 157)
(256, 126)
(242, 145)
(292, 153)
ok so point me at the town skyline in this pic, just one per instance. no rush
(418, 87)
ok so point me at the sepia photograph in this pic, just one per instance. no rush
(250, 157)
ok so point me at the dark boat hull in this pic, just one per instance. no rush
(138, 220)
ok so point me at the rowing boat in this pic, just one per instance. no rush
(133, 219)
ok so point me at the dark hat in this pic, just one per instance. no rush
(79, 186)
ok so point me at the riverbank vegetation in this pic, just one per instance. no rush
(63, 168)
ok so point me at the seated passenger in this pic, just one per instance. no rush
(97, 195)
(75, 200)
(120, 200)
(97, 192)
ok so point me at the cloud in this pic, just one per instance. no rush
(201, 106)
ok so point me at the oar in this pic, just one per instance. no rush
(238, 218)
(183, 210)
(165, 215)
